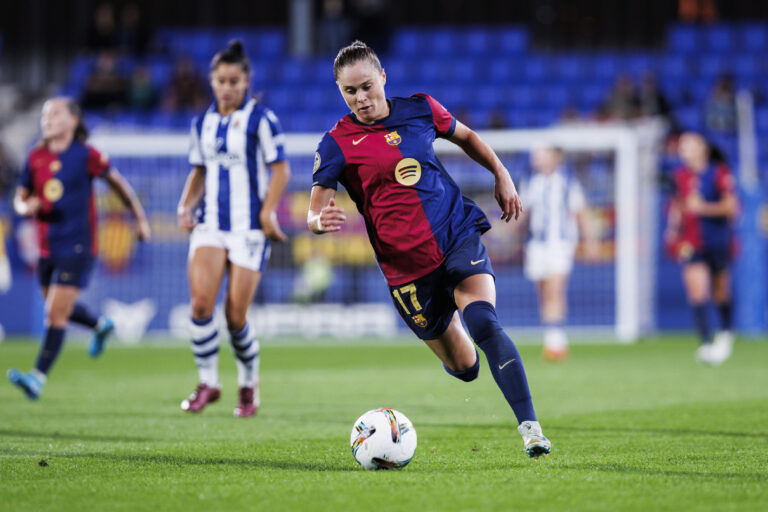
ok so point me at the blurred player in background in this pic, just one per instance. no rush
(56, 188)
(700, 236)
(234, 145)
(555, 210)
(425, 234)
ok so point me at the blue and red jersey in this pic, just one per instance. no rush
(414, 212)
(66, 220)
(711, 185)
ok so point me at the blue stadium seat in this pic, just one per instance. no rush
(672, 65)
(572, 67)
(683, 38)
(292, 71)
(465, 70)
(536, 68)
(754, 37)
(719, 38)
(502, 71)
(690, 118)
(272, 42)
(521, 96)
(443, 41)
(746, 66)
(475, 42)
(411, 41)
(509, 40)
(637, 64)
(761, 120)
(590, 96)
(713, 65)
(606, 66)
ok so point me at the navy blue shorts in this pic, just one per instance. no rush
(427, 304)
(717, 259)
(66, 271)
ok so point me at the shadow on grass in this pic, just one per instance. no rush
(181, 461)
(645, 471)
(672, 431)
(74, 437)
(609, 429)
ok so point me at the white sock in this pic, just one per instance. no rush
(246, 348)
(205, 346)
(555, 338)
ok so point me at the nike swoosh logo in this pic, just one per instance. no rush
(358, 141)
(475, 262)
(501, 366)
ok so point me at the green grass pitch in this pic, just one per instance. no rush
(638, 427)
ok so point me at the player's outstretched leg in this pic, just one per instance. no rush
(104, 327)
(508, 372)
(701, 319)
(31, 383)
(205, 346)
(246, 348)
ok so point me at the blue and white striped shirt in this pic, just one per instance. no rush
(236, 151)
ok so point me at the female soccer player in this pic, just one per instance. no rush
(425, 234)
(700, 236)
(233, 145)
(56, 189)
(556, 208)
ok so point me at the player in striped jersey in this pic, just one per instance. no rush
(555, 209)
(229, 204)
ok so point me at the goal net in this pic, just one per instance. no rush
(330, 285)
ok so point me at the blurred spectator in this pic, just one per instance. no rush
(186, 90)
(133, 34)
(143, 92)
(105, 87)
(497, 120)
(8, 172)
(697, 10)
(623, 103)
(652, 101)
(102, 34)
(721, 106)
(334, 29)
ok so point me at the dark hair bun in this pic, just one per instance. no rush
(236, 48)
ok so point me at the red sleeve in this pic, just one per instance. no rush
(98, 163)
(684, 182)
(724, 180)
(443, 120)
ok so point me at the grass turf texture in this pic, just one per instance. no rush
(638, 427)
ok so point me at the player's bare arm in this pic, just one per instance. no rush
(727, 206)
(281, 173)
(24, 203)
(479, 151)
(324, 216)
(191, 195)
(123, 189)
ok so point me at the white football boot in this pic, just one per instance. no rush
(534, 442)
(722, 347)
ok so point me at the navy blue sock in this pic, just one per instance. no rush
(469, 374)
(54, 339)
(726, 315)
(700, 316)
(81, 315)
(503, 357)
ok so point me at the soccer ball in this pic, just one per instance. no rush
(383, 439)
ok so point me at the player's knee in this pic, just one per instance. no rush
(465, 371)
(57, 318)
(482, 320)
(236, 318)
(202, 307)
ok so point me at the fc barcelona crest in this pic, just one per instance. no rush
(420, 320)
(393, 139)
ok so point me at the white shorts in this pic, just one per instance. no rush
(544, 259)
(247, 249)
